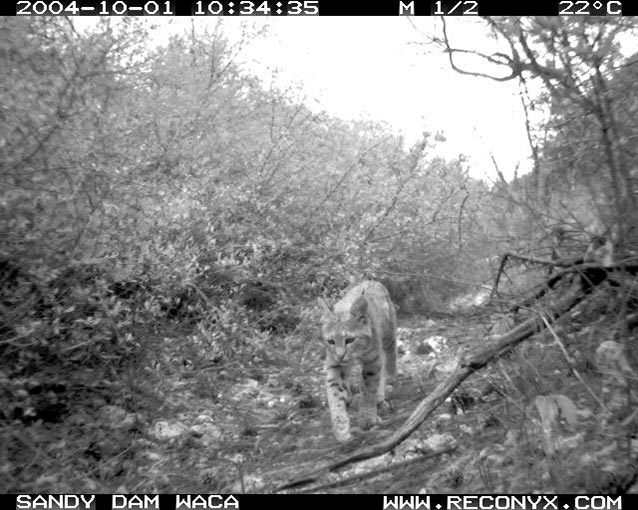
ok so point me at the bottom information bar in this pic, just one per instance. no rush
(335, 501)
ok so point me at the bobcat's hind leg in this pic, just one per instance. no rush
(385, 387)
(389, 343)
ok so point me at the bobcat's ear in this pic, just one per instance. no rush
(359, 308)
(325, 307)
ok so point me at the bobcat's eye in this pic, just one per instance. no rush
(331, 341)
(349, 340)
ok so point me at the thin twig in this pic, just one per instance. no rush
(545, 262)
(570, 362)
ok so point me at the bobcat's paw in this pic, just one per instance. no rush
(343, 436)
(385, 406)
(369, 420)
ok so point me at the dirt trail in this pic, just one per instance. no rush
(255, 432)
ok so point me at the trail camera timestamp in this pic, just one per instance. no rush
(256, 8)
(100, 8)
(168, 7)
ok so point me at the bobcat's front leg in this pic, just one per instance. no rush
(372, 390)
(336, 388)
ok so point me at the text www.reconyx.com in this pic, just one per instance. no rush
(534, 502)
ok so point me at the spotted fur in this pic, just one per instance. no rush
(361, 328)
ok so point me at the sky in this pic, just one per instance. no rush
(378, 68)
(375, 68)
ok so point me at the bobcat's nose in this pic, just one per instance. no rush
(341, 353)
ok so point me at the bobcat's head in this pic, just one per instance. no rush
(345, 331)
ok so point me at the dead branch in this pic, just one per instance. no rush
(501, 267)
(468, 364)
(379, 471)
(564, 263)
(592, 273)
(545, 262)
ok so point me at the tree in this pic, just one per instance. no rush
(578, 61)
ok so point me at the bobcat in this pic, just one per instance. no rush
(360, 328)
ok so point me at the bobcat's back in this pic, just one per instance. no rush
(360, 328)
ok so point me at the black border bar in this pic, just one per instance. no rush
(321, 7)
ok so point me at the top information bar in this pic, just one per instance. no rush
(320, 8)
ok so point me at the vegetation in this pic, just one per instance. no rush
(168, 221)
